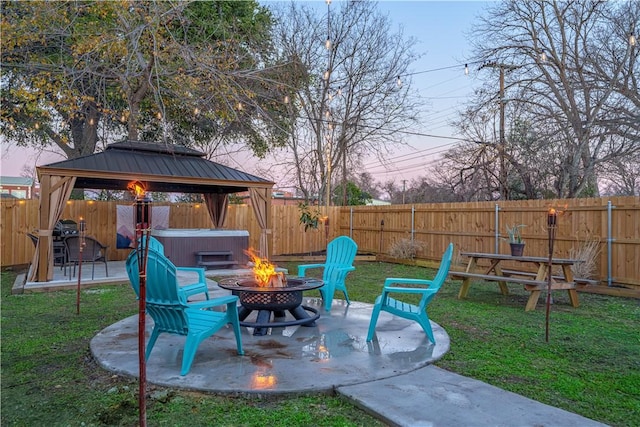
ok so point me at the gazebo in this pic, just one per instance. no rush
(161, 168)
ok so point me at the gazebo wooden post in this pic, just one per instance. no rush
(269, 222)
(44, 238)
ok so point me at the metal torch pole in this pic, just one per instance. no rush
(83, 229)
(551, 227)
(143, 231)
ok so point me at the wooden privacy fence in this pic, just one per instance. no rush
(613, 223)
(20, 217)
(473, 227)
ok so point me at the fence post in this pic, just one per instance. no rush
(497, 232)
(351, 223)
(413, 222)
(609, 241)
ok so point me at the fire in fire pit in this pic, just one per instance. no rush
(265, 272)
(270, 294)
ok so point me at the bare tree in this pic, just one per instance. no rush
(622, 177)
(568, 71)
(352, 103)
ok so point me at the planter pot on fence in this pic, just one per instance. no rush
(517, 249)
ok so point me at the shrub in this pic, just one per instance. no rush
(405, 248)
(587, 252)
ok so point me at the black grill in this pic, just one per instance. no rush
(65, 227)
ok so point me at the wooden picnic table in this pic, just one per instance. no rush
(534, 282)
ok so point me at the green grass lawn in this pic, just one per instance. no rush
(590, 366)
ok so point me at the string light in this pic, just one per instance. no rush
(240, 106)
(326, 74)
(327, 43)
(286, 99)
(543, 56)
(399, 82)
(196, 111)
(466, 69)
(159, 115)
(632, 39)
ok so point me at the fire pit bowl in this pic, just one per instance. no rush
(269, 300)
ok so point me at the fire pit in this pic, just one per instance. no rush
(270, 299)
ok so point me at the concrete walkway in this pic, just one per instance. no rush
(433, 397)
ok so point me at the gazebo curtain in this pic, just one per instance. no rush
(54, 193)
(217, 207)
(259, 200)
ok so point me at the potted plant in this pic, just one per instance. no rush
(515, 239)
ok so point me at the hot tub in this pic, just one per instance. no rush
(209, 248)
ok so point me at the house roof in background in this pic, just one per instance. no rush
(162, 167)
(16, 180)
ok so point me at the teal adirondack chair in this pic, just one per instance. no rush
(188, 290)
(341, 252)
(426, 288)
(167, 306)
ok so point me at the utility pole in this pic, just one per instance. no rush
(344, 171)
(504, 188)
(404, 187)
(503, 172)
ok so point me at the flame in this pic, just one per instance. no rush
(263, 271)
(137, 188)
(557, 210)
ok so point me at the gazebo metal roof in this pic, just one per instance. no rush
(164, 168)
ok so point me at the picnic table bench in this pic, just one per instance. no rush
(532, 282)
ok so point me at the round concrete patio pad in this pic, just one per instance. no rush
(295, 359)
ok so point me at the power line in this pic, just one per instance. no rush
(407, 168)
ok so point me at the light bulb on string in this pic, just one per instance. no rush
(399, 82)
(340, 91)
(286, 99)
(632, 39)
(326, 74)
(196, 111)
(327, 43)
(466, 69)
(543, 56)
